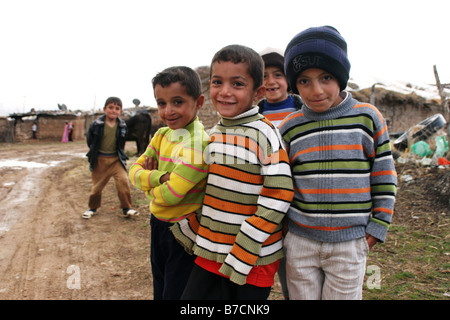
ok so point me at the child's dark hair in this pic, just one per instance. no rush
(113, 100)
(185, 75)
(242, 54)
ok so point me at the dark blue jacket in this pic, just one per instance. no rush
(94, 139)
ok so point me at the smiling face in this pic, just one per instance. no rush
(276, 84)
(176, 108)
(232, 88)
(318, 89)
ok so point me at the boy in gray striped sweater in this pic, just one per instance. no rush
(343, 172)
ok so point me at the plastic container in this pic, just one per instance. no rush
(429, 126)
(441, 146)
(422, 149)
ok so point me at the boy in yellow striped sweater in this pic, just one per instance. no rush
(238, 236)
(173, 174)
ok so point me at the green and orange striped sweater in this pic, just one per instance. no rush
(179, 152)
(248, 193)
(343, 170)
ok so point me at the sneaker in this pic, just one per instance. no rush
(130, 212)
(88, 214)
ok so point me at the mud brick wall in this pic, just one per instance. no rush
(403, 117)
(6, 130)
(22, 130)
(52, 128)
(401, 111)
(49, 127)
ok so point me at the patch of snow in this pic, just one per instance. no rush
(22, 164)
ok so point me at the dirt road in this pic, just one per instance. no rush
(47, 250)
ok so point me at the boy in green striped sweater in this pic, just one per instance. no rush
(238, 236)
(173, 174)
(344, 174)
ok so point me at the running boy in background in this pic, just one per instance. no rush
(107, 158)
(238, 236)
(344, 174)
(276, 106)
(173, 174)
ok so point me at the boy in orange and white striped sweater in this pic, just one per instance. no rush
(238, 236)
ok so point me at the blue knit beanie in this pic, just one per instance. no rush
(318, 47)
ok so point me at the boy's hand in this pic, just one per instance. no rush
(371, 240)
(285, 227)
(164, 178)
(150, 164)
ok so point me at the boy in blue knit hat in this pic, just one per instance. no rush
(343, 172)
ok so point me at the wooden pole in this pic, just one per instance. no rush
(444, 101)
(441, 94)
(372, 93)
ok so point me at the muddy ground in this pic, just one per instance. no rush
(49, 252)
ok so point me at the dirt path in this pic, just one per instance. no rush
(48, 250)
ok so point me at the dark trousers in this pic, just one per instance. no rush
(171, 265)
(205, 285)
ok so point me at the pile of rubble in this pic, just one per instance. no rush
(425, 143)
(422, 157)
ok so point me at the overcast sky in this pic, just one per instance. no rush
(79, 52)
